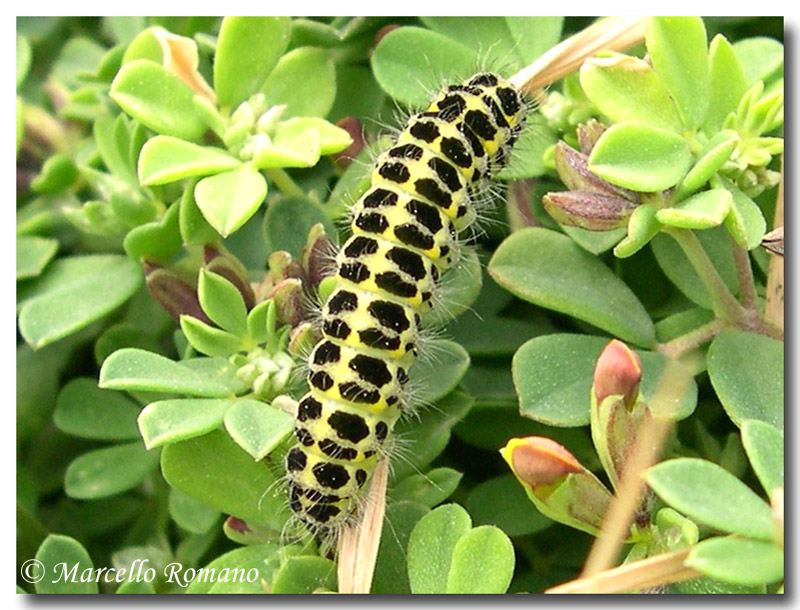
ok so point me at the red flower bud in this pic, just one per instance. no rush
(538, 460)
(618, 372)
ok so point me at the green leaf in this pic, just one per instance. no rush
(678, 51)
(301, 150)
(413, 50)
(57, 550)
(745, 222)
(193, 226)
(642, 227)
(527, 160)
(704, 210)
(549, 270)
(135, 369)
(429, 489)
(761, 58)
(483, 562)
(257, 427)
(314, 68)
(460, 286)
(534, 35)
(391, 575)
(727, 83)
(109, 471)
(746, 370)
(209, 340)
(229, 199)
(426, 436)
(248, 49)
(332, 139)
(709, 494)
(558, 393)
(170, 421)
(714, 154)
(85, 410)
(191, 515)
(241, 486)
(678, 269)
(627, 89)
(512, 41)
(640, 157)
(23, 59)
(113, 141)
(744, 562)
(304, 574)
(74, 292)
(166, 159)
(514, 515)
(243, 558)
(156, 241)
(33, 254)
(57, 174)
(157, 99)
(764, 447)
(437, 375)
(431, 546)
(222, 302)
(288, 221)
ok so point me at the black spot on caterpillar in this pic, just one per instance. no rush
(404, 237)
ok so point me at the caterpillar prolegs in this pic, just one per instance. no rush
(405, 229)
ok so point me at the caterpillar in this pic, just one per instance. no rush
(405, 231)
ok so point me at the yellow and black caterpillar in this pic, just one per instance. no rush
(405, 229)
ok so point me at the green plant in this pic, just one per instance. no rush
(179, 187)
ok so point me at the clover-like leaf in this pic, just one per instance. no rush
(166, 159)
(678, 52)
(170, 421)
(74, 292)
(157, 99)
(549, 270)
(392, 63)
(763, 444)
(626, 88)
(709, 494)
(640, 157)
(701, 211)
(314, 68)
(257, 427)
(642, 227)
(109, 471)
(229, 199)
(727, 82)
(746, 370)
(136, 369)
(248, 49)
(736, 560)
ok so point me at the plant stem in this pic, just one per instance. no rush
(691, 340)
(284, 182)
(725, 304)
(744, 274)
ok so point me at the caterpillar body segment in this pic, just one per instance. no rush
(405, 235)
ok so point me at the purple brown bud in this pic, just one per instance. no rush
(288, 298)
(228, 266)
(773, 242)
(588, 135)
(173, 293)
(354, 129)
(618, 372)
(317, 256)
(302, 339)
(588, 210)
(573, 169)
